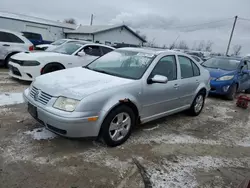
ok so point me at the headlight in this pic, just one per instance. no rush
(66, 104)
(224, 78)
(30, 63)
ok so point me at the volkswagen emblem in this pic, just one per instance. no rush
(37, 95)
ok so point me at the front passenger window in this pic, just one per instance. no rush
(92, 50)
(166, 67)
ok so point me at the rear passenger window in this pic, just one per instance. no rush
(13, 38)
(106, 50)
(188, 67)
(196, 69)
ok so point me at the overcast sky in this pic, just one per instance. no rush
(161, 20)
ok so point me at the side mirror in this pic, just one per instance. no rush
(81, 54)
(158, 79)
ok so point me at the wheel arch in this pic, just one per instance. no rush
(127, 101)
(52, 63)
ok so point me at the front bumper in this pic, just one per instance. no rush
(27, 73)
(220, 87)
(67, 125)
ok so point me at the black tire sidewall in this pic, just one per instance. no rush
(106, 123)
(192, 109)
(232, 92)
(49, 66)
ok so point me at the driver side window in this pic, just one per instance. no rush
(92, 50)
(166, 67)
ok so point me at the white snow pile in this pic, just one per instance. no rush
(181, 173)
(41, 134)
(11, 98)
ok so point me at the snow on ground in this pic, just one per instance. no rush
(11, 98)
(181, 172)
(41, 134)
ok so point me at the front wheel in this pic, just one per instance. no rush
(118, 125)
(197, 105)
(232, 92)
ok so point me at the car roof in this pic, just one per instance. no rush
(19, 34)
(154, 51)
(82, 42)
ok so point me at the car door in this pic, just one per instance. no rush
(190, 79)
(244, 76)
(160, 98)
(92, 52)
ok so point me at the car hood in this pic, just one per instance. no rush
(216, 73)
(77, 83)
(36, 55)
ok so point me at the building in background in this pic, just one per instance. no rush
(50, 30)
(114, 35)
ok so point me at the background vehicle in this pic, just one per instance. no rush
(27, 66)
(228, 75)
(53, 45)
(196, 58)
(35, 38)
(12, 43)
(115, 92)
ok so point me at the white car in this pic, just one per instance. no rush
(11, 43)
(27, 66)
(53, 45)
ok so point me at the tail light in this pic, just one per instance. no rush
(31, 48)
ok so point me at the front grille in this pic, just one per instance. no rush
(39, 95)
(16, 61)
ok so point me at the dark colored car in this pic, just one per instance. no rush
(35, 38)
(228, 75)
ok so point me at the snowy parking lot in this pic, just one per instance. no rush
(211, 150)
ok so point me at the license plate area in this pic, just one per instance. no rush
(32, 110)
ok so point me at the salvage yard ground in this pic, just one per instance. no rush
(211, 150)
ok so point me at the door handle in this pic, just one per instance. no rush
(6, 45)
(176, 86)
(197, 81)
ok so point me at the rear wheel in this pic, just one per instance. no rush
(52, 68)
(6, 61)
(117, 126)
(232, 92)
(198, 104)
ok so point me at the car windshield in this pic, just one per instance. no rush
(123, 63)
(222, 63)
(68, 48)
(58, 42)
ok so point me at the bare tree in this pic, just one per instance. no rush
(172, 46)
(70, 21)
(208, 46)
(201, 46)
(182, 45)
(236, 50)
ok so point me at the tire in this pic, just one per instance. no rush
(6, 61)
(52, 68)
(112, 135)
(232, 92)
(197, 104)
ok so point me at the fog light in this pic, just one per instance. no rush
(225, 88)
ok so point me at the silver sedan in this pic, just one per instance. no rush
(116, 92)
